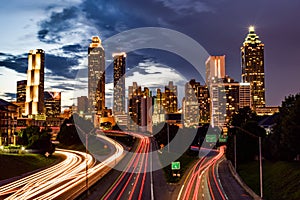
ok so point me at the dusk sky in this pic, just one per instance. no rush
(64, 31)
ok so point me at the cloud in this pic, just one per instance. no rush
(17, 63)
(61, 66)
(186, 7)
(9, 96)
(58, 22)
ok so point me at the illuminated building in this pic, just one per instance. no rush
(34, 104)
(204, 104)
(158, 108)
(215, 74)
(82, 104)
(21, 90)
(96, 77)
(139, 108)
(245, 95)
(232, 89)
(8, 122)
(52, 101)
(119, 83)
(252, 53)
(190, 104)
(195, 104)
(215, 68)
(170, 100)
(268, 110)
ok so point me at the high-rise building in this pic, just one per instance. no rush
(244, 95)
(158, 108)
(252, 53)
(139, 108)
(21, 90)
(96, 77)
(171, 101)
(204, 104)
(52, 102)
(231, 88)
(215, 74)
(35, 83)
(190, 104)
(82, 104)
(119, 83)
(215, 68)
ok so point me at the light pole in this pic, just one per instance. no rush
(86, 155)
(260, 156)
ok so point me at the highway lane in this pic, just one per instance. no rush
(197, 184)
(65, 180)
(134, 178)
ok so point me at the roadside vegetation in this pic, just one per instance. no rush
(73, 136)
(281, 179)
(280, 150)
(12, 165)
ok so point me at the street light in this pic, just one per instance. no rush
(86, 155)
(260, 156)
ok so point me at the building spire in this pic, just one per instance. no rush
(251, 29)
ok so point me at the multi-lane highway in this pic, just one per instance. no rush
(135, 175)
(202, 181)
(65, 180)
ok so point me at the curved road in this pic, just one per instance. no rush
(65, 180)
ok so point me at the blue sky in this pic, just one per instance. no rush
(63, 30)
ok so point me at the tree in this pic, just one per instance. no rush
(69, 135)
(246, 128)
(286, 135)
(33, 138)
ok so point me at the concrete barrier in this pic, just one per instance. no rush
(241, 182)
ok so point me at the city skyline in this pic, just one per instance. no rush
(64, 56)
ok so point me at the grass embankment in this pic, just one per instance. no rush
(12, 165)
(281, 179)
(95, 146)
(185, 161)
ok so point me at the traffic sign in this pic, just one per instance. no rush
(175, 165)
(223, 138)
(211, 138)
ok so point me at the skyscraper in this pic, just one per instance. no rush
(215, 74)
(96, 77)
(244, 95)
(171, 101)
(119, 83)
(139, 108)
(158, 115)
(82, 105)
(231, 88)
(252, 53)
(21, 90)
(52, 102)
(215, 68)
(35, 83)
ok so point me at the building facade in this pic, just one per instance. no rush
(8, 122)
(245, 95)
(119, 83)
(82, 104)
(171, 100)
(252, 57)
(52, 102)
(96, 77)
(215, 74)
(34, 104)
(21, 91)
(139, 108)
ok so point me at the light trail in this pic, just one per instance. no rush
(192, 184)
(64, 179)
(136, 166)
